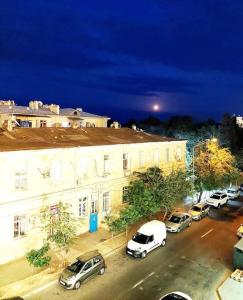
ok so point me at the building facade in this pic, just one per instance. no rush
(87, 168)
(38, 115)
(239, 121)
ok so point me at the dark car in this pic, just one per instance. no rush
(241, 187)
(82, 269)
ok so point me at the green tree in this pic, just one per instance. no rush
(149, 193)
(60, 226)
(38, 258)
(214, 168)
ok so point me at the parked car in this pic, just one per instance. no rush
(176, 296)
(178, 221)
(240, 231)
(82, 269)
(233, 192)
(199, 210)
(241, 187)
(217, 199)
(148, 237)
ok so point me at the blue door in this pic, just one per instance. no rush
(93, 222)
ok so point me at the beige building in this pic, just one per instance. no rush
(88, 168)
(38, 115)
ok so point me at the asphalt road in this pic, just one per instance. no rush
(194, 261)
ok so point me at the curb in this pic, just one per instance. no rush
(52, 277)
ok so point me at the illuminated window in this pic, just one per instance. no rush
(156, 157)
(19, 226)
(21, 178)
(106, 202)
(94, 203)
(43, 123)
(88, 124)
(125, 161)
(167, 155)
(124, 194)
(141, 159)
(82, 207)
(106, 164)
(56, 171)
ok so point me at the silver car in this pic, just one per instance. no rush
(82, 269)
(178, 221)
(199, 210)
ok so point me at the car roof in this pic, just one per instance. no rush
(180, 214)
(149, 227)
(88, 255)
(201, 204)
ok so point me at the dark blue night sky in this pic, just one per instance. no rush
(120, 57)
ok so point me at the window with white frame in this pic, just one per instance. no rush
(156, 157)
(56, 171)
(125, 161)
(20, 226)
(167, 155)
(106, 164)
(125, 194)
(178, 154)
(82, 207)
(106, 202)
(141, 159)
(21, 177)
(94, 203)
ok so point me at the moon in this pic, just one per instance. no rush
(155, 107)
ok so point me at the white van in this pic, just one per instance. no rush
(148, 237)
(233, 192)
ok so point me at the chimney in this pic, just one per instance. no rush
(35, 104)
(115, 125)
(55, 108)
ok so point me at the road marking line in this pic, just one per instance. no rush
(40, 288)
(141, 281)
(207, 233)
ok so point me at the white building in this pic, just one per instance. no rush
(239, 121)
(88, 168)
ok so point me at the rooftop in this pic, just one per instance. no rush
(44, 138)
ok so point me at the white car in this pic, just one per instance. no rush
(176, 296)
(217, 199)
(233, 192)
(148, 237)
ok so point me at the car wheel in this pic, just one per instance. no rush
(179, 229)
(199, 218)
(102, 271)
(163, 243)
(144, 254)
(189, 224)
(77, 285)
(218, 205)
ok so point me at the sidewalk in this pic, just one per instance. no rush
(17, 279)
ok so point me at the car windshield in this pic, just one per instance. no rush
(196, 208)
(215, 197)
(231, 191)
(140, 238)
(76, 266)
(174, 297)
(174, 219)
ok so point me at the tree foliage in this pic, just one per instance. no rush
(149, 193)
(60, 226)
(38, 258)
(214, 167)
